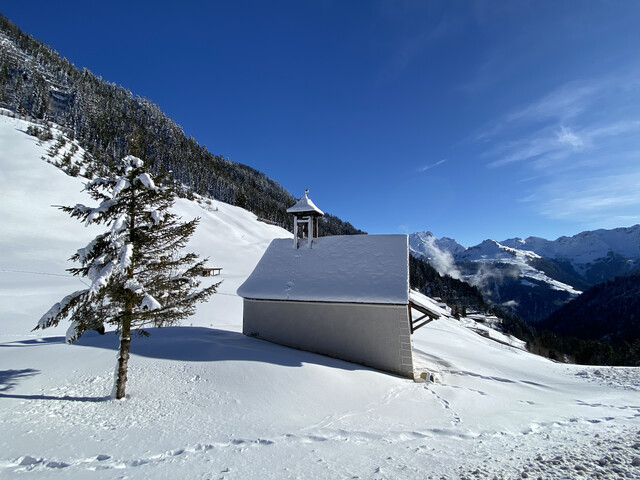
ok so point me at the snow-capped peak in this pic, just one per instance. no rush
(586, 246)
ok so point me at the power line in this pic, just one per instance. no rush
(36, 273)
(5, 270)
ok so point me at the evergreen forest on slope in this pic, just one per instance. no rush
(109, 122)
(604, 319)
(599, 327)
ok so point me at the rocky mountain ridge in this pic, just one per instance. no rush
(534, 276)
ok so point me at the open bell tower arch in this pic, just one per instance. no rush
(305, 220)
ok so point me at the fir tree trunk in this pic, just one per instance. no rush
(125, 335)
(123, 358)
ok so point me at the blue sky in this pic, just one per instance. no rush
(475, 120)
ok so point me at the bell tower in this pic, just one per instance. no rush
(305, 219)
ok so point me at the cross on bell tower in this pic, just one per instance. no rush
(305, 214)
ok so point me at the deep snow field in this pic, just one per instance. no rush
(206, 402)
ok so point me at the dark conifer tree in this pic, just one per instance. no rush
(139, 275)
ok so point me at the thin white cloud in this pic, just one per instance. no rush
(544, 142)
(581, 146)
(429, 167)
(552, 145)
(617, 128)
(596, 199)
(564, 103)
(529, 198)
(567, 104)
(568, 137)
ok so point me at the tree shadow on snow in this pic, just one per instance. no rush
(51, 397)
(10, 378)
(200, 344)
(33, 342)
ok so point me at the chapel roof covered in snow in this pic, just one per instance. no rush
(305, 205)
(343, 268)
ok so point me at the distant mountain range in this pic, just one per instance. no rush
(534, 277)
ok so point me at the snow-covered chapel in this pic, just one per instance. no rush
(344, 296)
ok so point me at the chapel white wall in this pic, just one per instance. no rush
(377, 336)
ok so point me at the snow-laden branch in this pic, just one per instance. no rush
(102, 278)
(134, 285)
(120, 223)
(83, 253)
(80, 210)
(125, 257)
(145, 179)
(97, 182)
(49, 318)
(149, 303)
(133, 162)
(122, 184)
(73, 332)
(155, 216)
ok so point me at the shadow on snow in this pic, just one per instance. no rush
(34, 342)
(10, 378)
(201, 344)
(190, 344)
(52, 397)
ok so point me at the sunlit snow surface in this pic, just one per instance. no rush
(205, 402)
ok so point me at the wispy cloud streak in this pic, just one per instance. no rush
(592, 199)
(429, 167)
(581, 142)
(564, 103)
(558, 143)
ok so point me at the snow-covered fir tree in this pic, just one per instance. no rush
(139, 275)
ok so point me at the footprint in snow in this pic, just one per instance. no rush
(55, 464)
(28, 460)
(262, 441)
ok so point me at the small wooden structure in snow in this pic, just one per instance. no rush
(211, 271)
(343, 296)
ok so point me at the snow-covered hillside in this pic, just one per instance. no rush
(207, 402)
